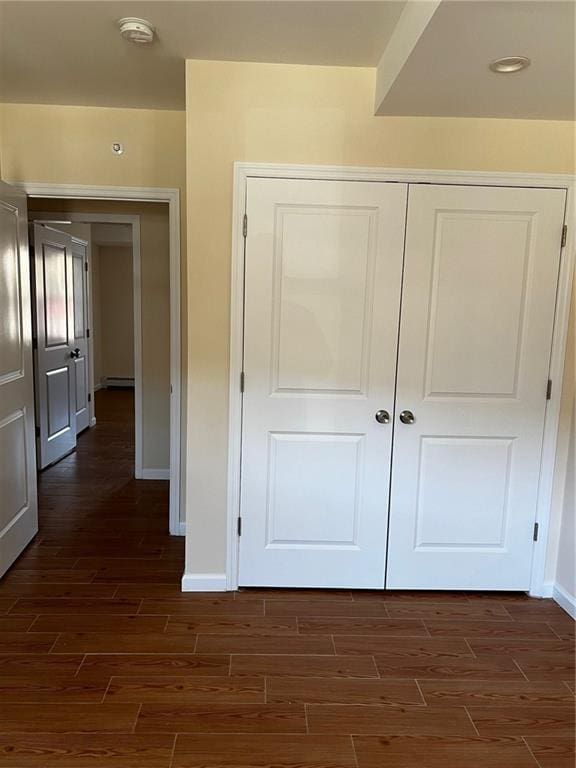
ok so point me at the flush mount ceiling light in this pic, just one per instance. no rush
(507, 64)
(136, 30)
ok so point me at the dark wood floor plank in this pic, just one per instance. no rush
(405, 647)
(70, 576)
(26, 642)
(108, 642)
(13, 623)
(50, 688)
(437, 751)
(263, 751)
(86, 623)
(518, 646)
(448, 611)
(187, 690)
(304, 666)
(319, 690)
(362, 626)
(99, 666)
(221, 718)
(546, 666)
(483, 693)
(265, 644)
(67, 718)
(499, 668)
(29, 664)
(55, 606)
(201, 607)
(15, 590)
(530, 720)
(272, 593)
(355, 719)
(474, 629)
(86, 751)
(238, 626)
(326, 607)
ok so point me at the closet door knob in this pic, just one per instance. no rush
(407, 417)
(382, 417)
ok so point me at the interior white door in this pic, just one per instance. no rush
(322, 294)
(80, 351)
(480, 276)
(55, 347)
(18, 505)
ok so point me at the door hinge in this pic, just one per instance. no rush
(87, 333)
(242, 381)
(549, 389)
(564, 235)
(37, 431)
(245, 225)
(85, 266)
(535, 536)
(34, 342)
(239, 526)
(89, 397)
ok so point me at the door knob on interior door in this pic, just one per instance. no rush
(407, 417)
(75, 352)
(382, 417)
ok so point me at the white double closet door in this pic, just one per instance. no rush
(396, 352)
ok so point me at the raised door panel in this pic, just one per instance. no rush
(322, 305)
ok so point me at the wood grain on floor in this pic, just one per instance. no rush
(105, 662)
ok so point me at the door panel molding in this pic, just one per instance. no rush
(244, 171)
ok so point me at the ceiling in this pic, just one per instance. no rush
(447, 74)
(70, 52)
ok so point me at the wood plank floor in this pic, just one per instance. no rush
(104, 662)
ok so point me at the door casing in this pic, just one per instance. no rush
(243, 171)
(157, 195)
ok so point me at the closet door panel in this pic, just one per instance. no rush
(322, 294)
(480, 276)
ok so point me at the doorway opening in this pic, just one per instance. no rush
(133, 365)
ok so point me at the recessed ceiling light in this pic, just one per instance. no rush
(136, 30)
(507, 64)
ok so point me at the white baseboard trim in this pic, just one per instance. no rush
(93, 421)
(565, 600)
(204, 582)
(118, 381)
(182, 528)
(97, 387)
(155, 474)
(546, 591)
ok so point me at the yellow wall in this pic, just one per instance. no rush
(62, 144)
(296, 114)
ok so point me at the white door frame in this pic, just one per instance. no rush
(243, 171)
(138, 194)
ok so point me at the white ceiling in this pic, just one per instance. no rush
(70, 52)
(447, 73)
